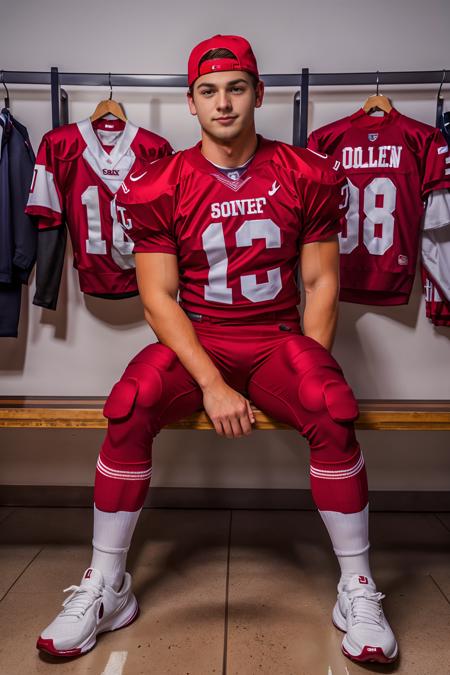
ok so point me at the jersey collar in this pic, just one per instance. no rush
(362, 120)
(102, 157)
(264, 152)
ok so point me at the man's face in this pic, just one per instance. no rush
(224, 103)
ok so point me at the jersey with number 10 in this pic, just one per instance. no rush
(79, 168)
(392, 164)
(237, 241)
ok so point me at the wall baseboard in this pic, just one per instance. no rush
(219, 498)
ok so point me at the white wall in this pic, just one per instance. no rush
(83, 347)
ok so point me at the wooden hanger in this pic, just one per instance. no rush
(109, 107)
(377, 101)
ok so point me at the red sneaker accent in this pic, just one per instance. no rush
(88, 574)
(374, 654)
(46, 645)
(363, 580)
(132, 618)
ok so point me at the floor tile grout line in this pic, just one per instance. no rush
(22, 573)
(227, 588)
(436, 515)
(439, 588)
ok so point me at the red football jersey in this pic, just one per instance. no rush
(436, 305)
(392, 163)
(79, 168)
(237, 241)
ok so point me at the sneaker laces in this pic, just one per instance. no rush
(81, 599)
(366, 607)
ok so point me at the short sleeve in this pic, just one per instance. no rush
(324, 207)
(437, 211)
(45, 200)
(435, 164)
(145, 212)
(313, 142)
(164, 150)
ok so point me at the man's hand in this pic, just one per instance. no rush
(229, 411)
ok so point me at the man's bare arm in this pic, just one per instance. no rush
(157, 275)
(319, 268)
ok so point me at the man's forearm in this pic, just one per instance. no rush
(174, 329)
(321, 314)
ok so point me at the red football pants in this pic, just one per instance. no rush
(290, 377)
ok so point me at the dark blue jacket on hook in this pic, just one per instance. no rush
(18, 234)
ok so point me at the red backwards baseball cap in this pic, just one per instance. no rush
(239, 46)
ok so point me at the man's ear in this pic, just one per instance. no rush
(191, 104)
(259, 94)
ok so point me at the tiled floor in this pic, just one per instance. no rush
(241, 592)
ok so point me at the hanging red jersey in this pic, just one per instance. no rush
(392, 164)
(437, 306)
(79, 168)
(237, 235)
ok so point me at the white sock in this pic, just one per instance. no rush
(112, 538)
(355, 564)
(349, 534)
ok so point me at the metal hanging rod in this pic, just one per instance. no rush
(387, 77)
(26, 77)
(278, 80)
(127, 80)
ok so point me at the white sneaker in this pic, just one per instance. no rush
(92, 608)
(358, 612)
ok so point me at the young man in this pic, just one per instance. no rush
(227, 223)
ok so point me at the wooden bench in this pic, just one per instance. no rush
(86, 413)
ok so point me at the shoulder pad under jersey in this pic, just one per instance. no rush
(309, 164)
(148, 180)
(66, 142)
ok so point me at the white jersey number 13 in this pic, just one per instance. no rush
(216, 252)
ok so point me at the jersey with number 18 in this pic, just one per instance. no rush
(393, 163)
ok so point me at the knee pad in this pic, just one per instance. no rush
(121, 400)
(140, 386)
(322, 386)
(141, 383)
